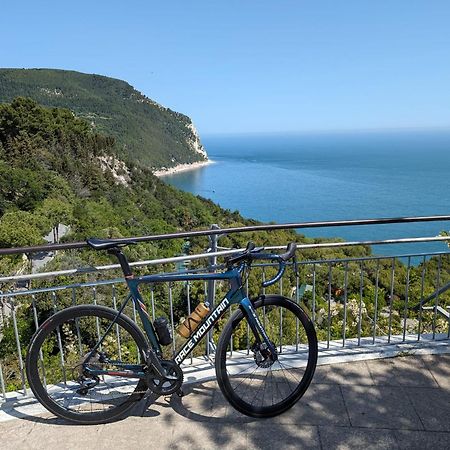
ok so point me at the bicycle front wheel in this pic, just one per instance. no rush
(254, 382)
(57, 362)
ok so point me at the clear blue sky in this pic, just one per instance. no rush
(249, 66)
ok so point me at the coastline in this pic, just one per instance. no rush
(181, 168)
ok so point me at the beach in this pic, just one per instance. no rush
(181, 168)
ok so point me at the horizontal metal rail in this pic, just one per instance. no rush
(229, 252)
(212, 232)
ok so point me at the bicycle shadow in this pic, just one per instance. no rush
(28, 409)
(201, 402)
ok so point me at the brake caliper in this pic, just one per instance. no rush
(262, 354)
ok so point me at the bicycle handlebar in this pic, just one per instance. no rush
(248, 255)
(251, 253)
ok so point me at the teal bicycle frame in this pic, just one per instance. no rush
(235, 295)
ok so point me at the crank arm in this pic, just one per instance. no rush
(154, 363)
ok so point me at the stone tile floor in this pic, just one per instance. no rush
(396, 403)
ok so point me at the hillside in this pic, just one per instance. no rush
(55, 169)
(53, 163)
(145, 132)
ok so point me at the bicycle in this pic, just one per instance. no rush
(90, 364)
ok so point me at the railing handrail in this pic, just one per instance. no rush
(183, 258)
(113, 281)
(211, 232)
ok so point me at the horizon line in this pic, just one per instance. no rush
(329, 130)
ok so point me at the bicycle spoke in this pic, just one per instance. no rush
(283, 368)
(266, 385)
(70, 388)
(264, 393)
(245, 378)
(257, 391)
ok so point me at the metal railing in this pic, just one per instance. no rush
(355, 302)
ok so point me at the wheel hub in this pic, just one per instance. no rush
(82, 376)
(263, 356)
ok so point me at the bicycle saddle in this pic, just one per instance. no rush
(105, 244)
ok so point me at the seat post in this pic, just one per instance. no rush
(117, 252)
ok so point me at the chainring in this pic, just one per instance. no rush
(166, 387)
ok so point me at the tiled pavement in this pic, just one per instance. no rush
(397, 403)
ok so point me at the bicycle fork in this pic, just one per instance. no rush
(257, 328)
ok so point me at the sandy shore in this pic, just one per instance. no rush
(181, 168)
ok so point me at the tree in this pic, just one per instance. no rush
(56, 211)
(19, 229)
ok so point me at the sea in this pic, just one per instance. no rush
(332, 176)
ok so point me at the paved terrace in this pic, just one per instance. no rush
(395, 403)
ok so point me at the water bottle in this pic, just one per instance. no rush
(191, 323)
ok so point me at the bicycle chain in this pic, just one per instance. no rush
(118, 364)
(102, 365)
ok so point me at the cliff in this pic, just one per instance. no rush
(147, 133)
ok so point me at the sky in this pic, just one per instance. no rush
(252, 66)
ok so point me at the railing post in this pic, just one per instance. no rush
(19, 347)
(2, 383)
(211, 290)
(2, 321)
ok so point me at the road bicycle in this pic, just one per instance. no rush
(90, 364)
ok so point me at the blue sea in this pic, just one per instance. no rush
(331, 176)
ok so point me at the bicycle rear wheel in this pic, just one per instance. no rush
(60, 347)
(255, 383)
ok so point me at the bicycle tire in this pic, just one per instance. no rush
(57, 338)
(239, 370)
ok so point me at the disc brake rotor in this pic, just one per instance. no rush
(262, 355)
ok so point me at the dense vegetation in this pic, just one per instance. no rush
(145, 131)
(56, 169)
